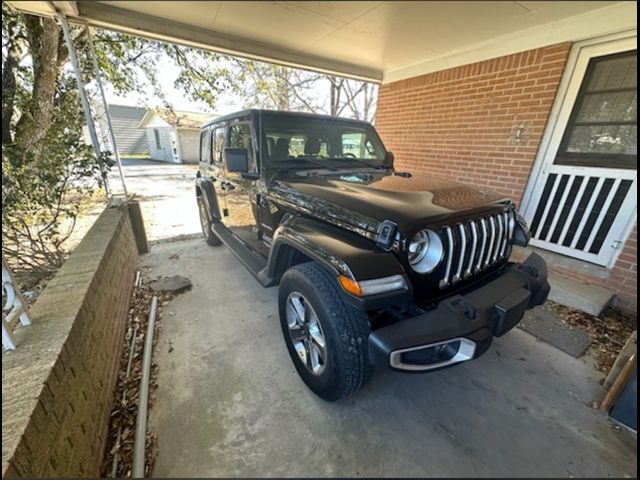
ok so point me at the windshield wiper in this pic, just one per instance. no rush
(358, 161)
(312, 162)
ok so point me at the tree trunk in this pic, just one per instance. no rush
(9, 89)
(282, 88)
(335, 94)
(43, 36)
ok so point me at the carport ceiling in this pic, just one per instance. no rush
(374, 40)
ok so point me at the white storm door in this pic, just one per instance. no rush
(584, 197)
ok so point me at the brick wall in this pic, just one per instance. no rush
(624, 276)
(461, 123)
(57, 385)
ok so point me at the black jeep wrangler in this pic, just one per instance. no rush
(375, 267)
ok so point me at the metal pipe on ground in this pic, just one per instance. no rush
(143, 396)
(132, 348)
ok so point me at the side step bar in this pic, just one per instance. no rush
(254, 262)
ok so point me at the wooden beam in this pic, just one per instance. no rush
(619, 383)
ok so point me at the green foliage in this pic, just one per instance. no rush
(47, 169)
(44, 185)
(41, 194)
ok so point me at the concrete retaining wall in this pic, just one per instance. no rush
(57, 385)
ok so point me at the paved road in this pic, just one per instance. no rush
(229, 402)
(166, 196)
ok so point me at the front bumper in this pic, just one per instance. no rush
(462, 326)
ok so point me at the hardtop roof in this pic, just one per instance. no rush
(284, 113)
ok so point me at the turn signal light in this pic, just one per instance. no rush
(373, 286)
(350, 286)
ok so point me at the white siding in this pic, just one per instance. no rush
(189, 140)
(131, 140)
(164, 153)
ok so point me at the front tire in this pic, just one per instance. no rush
(327, 338)
(205, 224)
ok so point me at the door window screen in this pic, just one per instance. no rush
(602, 130)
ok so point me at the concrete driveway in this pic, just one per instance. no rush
(165, 191)
(230, 403)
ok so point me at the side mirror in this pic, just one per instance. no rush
(236, 159)
(388, 160)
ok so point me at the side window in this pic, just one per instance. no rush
(296, 146)
(211, 154)
(323, 150)
(204, 145)
(240, 137)
(156, 134)
(217, 139)
(358, 145)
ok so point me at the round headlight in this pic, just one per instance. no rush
(425, 251)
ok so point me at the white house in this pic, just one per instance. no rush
(173, 135)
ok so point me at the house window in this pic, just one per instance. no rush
(602, 130)
(156, 134)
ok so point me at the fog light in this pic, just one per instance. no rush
(432, 356)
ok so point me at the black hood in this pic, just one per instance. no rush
(383, 196)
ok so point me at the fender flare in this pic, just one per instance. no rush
(204, 188)
(339, 251)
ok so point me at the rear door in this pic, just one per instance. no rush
(211, 146)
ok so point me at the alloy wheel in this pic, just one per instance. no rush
(204, 225)
(306, 333)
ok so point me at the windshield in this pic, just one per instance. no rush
(299, 142)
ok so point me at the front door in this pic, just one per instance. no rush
(240, 189)
(583, 202)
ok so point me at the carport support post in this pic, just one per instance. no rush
(73, 57)
(96, 72)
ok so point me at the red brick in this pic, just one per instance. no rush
(459, 123)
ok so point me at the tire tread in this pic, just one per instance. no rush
(351, 322)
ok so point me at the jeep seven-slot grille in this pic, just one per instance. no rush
(475, 245)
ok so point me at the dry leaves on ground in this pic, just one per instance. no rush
(608, 332)
(123, 414)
